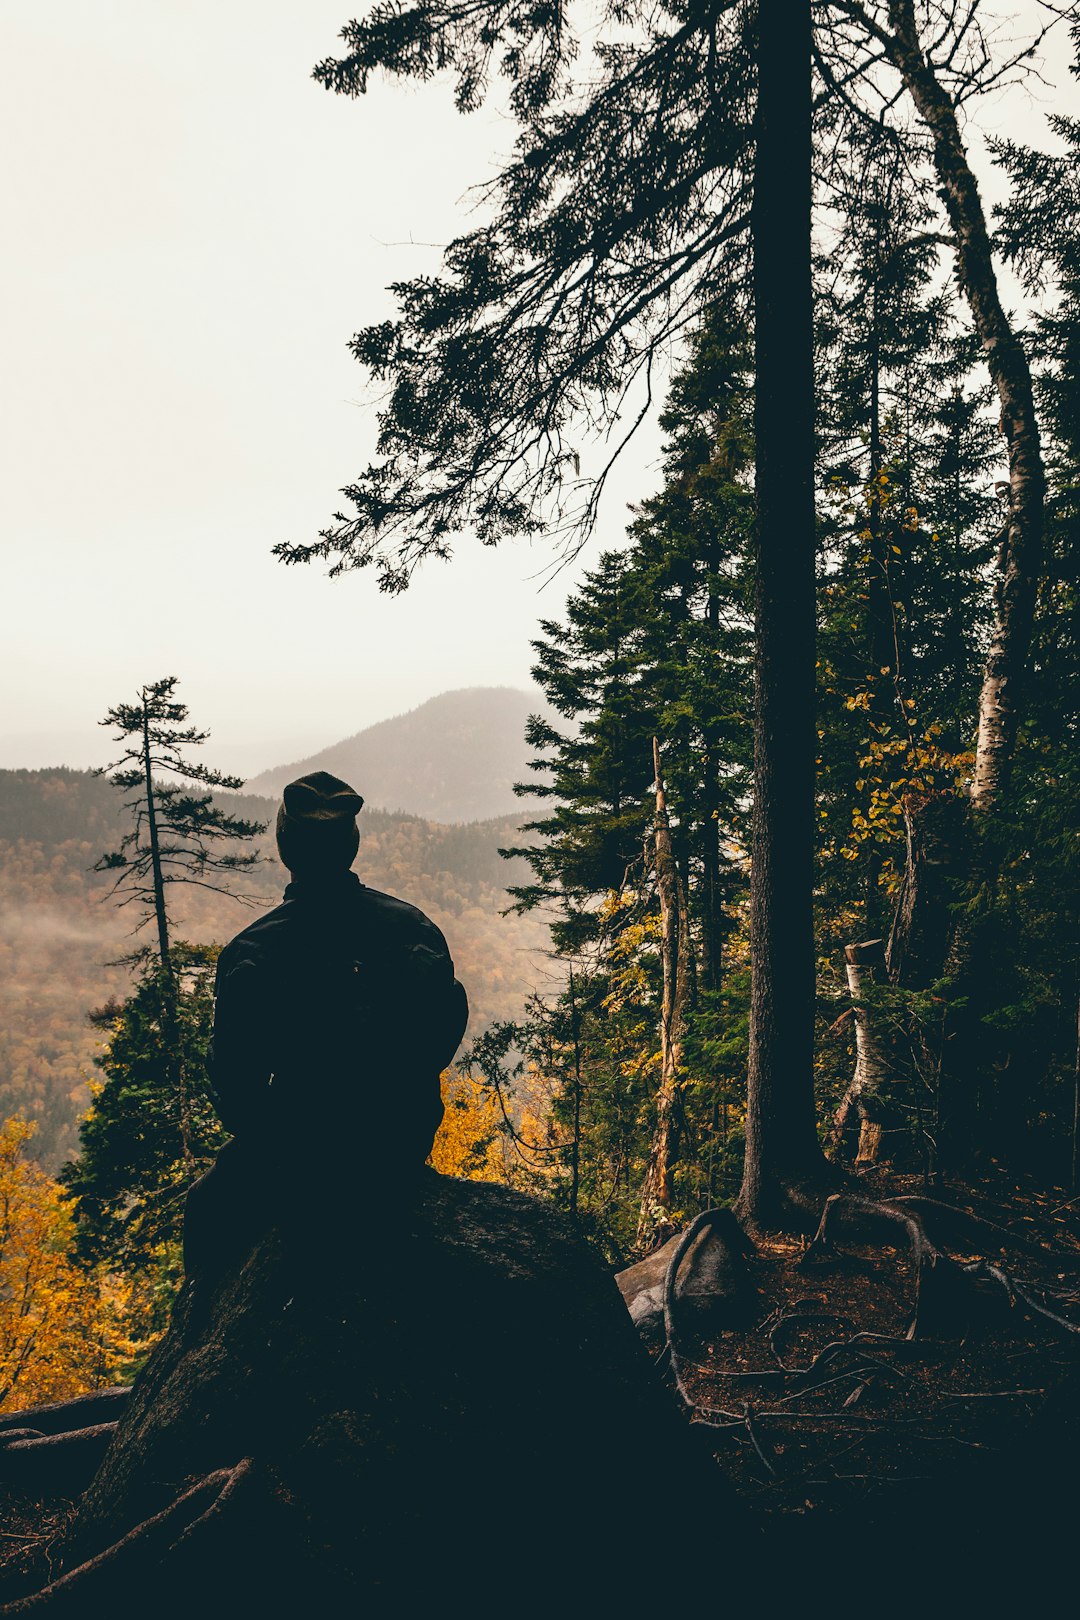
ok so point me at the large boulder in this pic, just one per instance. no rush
(448, 1399)
(711, 1286)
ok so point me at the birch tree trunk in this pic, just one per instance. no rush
(939, 846)
(656, 1192)
(863, 964)
(1020, 556)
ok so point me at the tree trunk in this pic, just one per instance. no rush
(865, 962)
(160, 914)
(575, 1152)
(712, 930)
(1021, 548)
(656, 1192)
(919, 943)
(783, 1160)
(882, 672)
(922, 922)
(1076, 1107)
(175, 1071)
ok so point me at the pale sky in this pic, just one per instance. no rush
(194, 229)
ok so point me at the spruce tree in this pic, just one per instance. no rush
(176, 835)
(151, 1130)
(145, 1140)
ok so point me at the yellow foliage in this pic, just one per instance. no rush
(896, 766)
(468, 1143)
(61, 1327)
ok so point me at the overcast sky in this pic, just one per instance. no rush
(194, 229)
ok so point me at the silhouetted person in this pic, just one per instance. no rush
(335, 1014)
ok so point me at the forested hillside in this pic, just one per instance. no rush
(59, 931)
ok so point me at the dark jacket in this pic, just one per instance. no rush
(335, 1014)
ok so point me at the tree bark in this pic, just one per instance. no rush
(170, 1021)
(712, 930)
(872, 1068)
(880, 640)
(160, 914)
(656, 1192)
(783, 1158)
(1020, 556)
(575, 1152)
(1076, 1108)
(922, 922)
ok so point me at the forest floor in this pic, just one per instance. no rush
(31, 1529)
(879, 1424)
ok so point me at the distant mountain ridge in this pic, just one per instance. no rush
(455, 758)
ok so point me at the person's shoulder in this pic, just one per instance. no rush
(407, 923)
(257, 936)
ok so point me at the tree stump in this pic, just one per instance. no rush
(432, 1404)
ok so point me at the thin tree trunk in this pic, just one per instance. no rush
(175, 1071)
(923, 924)
(575, 1159)
(711, 924)
(1020, 557)
(783, 1161)
(656, 1192)
(922, 921)
(864, 963)
(1076, 1107)
(160, 913)
(881, 648)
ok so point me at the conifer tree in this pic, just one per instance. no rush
(151, 1130)
(176, 835)
(147, 1136)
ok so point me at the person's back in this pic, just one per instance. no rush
(335, 1014)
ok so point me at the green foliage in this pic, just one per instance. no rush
(576, 1074)
(151, 1131)
(175, 836)
(602, 247)
(655, 643)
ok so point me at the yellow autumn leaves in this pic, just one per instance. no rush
(64, 1329)
(468, 1142)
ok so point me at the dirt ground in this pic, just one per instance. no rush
(882, 1421)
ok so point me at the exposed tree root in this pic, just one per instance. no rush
(62, 1417)
(727, 1230)
(951, 1290)
(1015, 1290)
(965, 1224)
(891, 1223)
(53, 1464)
(113, 1575)
(942, 1301)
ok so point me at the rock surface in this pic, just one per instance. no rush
(451, 1401)
(710, 1285)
